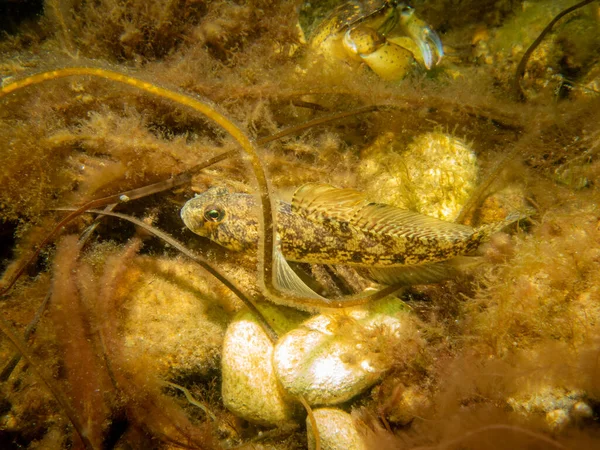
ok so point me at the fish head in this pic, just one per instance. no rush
(228, 219)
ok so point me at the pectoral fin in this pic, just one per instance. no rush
(287, 280)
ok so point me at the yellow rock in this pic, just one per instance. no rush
(435, 175)
(174, 317)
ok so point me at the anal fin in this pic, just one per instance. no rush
(422, 273)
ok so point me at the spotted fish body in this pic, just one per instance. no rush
(327, 225)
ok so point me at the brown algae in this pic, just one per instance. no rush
(100, 99)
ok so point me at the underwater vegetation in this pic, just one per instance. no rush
(121, 328)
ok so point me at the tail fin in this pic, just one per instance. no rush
(484, 232)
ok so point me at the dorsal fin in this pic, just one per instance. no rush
(392, 221)
(316, 200)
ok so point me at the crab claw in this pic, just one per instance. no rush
(423, 36)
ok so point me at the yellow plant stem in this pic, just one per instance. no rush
(202, 106)
(211, 111)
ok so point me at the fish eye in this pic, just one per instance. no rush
(214, 214)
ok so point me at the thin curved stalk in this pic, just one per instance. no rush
(517, 89)
(320, 121)
(313, 422)
(405, 101)
(190, 398)
(121, 197)
(10, 366)
(196, 258)
(266, 253)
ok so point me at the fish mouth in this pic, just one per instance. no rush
(189, 215)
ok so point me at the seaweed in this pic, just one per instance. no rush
(523, 63)
(228, 83)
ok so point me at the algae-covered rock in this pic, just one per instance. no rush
(442, 172)
(334, 357)
(435, 175)
(560, 406)
(175, 319)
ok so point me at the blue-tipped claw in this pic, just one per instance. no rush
(427, 40)
(429, 43)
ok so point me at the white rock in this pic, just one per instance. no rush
(250, 389)
(333, 357)
(336, 430)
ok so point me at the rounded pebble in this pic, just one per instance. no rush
(249, 388)
(581, 410)
(336, 431)
(333, 357)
